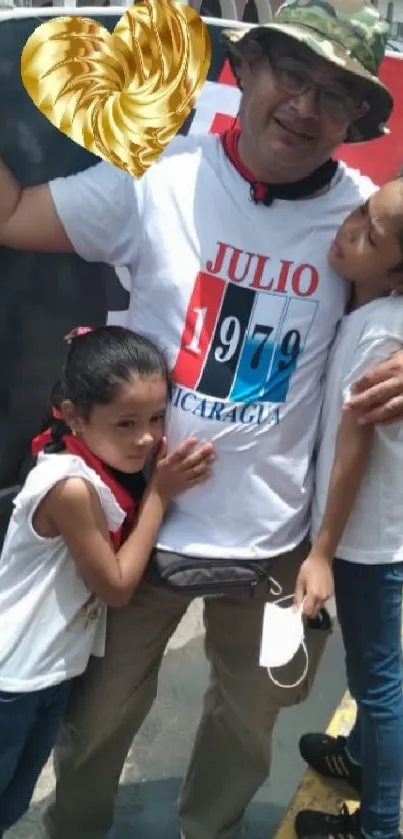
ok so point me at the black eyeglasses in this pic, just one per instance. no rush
(337, 104)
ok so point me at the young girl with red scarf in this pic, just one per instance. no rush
(80, 537)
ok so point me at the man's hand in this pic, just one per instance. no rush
(377, 397)
(314, 584)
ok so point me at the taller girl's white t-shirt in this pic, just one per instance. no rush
(50, 622)
(242, 300)
(374, 532)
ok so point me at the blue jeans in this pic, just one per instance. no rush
(29, 725)
(369, 607)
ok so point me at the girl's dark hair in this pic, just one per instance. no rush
(98, 363)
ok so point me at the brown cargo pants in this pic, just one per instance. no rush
(232, 750)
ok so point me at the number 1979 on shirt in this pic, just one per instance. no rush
(241, 344)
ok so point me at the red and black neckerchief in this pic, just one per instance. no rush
(127, 489)
(262, 193)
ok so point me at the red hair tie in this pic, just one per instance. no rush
(76, 332)
(41, 440)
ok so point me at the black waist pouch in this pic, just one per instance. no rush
(201, 576)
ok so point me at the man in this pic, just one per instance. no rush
(226, 246)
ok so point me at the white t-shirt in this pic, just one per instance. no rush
(374, 533)
(50, 622)
(242, 300)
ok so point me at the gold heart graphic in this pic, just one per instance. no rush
(123, 96)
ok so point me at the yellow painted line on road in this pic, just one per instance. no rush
(314, 792)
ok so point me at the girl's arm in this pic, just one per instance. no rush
(73, 507)
(351, 454)
(381, 336)
(315, 579)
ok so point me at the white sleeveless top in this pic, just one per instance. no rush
(50, 622)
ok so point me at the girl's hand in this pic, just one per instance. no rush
(314, 584)
(187, 466)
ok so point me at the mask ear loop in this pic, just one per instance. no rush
(275, 588)
(303, 645)
(287, 597)
(301, 678)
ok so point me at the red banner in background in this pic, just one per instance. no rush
(381, 159)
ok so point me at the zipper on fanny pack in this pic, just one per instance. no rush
(252, 584)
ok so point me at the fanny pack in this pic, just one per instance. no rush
(203, 576)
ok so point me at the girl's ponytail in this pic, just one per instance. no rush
(50, 439)
(55, 423)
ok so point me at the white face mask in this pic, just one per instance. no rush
(282, 636)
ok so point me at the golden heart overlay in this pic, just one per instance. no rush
(123, 96)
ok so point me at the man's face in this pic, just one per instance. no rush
(287, 129)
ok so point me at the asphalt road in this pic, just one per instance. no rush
(146, 806)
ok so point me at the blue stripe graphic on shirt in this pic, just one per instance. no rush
(255, 347)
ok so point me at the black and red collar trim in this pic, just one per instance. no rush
(263, 193)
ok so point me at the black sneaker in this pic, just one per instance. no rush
(328, 756)
(310, 824)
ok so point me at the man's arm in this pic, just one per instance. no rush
(96, 214)
(28, 217)
(377, 397)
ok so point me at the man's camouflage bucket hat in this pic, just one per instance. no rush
(348, 33)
